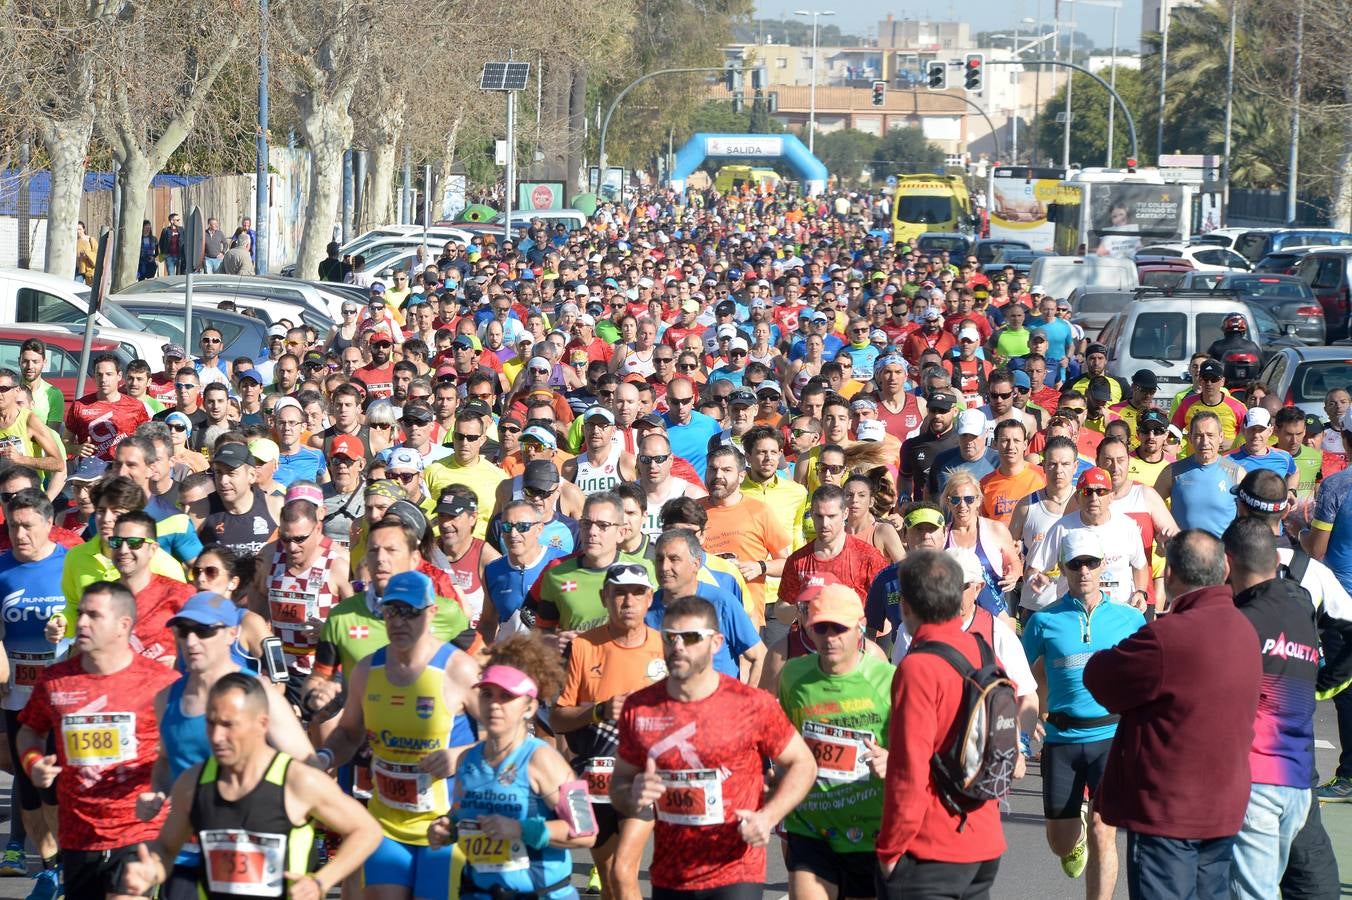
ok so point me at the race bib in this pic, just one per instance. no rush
(839, 751)
(292, 607)
(99, 740)
(598, 772)
(488, 854)
(692, 797)
(401, 786)
(244, 862)
(28, 666)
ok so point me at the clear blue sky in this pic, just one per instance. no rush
(857, 17)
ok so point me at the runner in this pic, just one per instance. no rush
(100, 707)
(705, 782)
(1143, 505)
(463, 557)
(240, 515)
(655, 477)
(508, 580)
(25, 439)
(1197, 487)
(158, 597)
(1014, 478)
(409, 700)
(96, 422)
(252, 811)
(603, 463)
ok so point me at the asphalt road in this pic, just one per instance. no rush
(1027, 868)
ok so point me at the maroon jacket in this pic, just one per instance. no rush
(1186, 686)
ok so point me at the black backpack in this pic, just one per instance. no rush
(979, 767)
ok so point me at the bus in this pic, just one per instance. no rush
(923, 203)
(1115, 212)
(1018, 200)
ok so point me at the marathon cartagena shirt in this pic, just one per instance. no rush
(104, 423)
(711, 770)
(106, 742)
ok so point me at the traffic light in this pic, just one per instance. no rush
(936, 76)
(879, 93)
(973, 72)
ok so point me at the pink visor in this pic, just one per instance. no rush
(511, 680)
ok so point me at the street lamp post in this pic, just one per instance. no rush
(1115, 5)
(812, 89)
(1070, 84)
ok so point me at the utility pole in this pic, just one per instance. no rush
(262, 198)
(1070, 85)
(1229, 113)
(1293, 167)
(812, 89)
(1164, 75)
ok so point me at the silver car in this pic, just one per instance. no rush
(1092, 308)
(1301, 376)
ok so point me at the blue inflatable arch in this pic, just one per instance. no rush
(750, 146)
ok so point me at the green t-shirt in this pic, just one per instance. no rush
(569, 594)
(355, 632)
(1011, 344)
(845, 806)
(1308, 463)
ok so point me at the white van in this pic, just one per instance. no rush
(28, 296)
(1059, 275)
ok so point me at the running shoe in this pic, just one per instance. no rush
(1074, 862)
(593, 882)
(1337, 789)
(13, 863)
(47, 885)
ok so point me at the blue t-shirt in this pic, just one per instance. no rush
(1060, 337)
(950, 461)
(29, 595)
(726, 373)
(864, 357)
(1066, 635)
(691, 441)
(303, 465)
(884, 599)
(506, 586)
(1201, 498)
(831, 345)
(1274, 460)
(739, 635)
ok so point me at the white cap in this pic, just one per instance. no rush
(871, 430)
(1037, 289)
(932, 312)
(1078, 542)
(739, 343)
(972, 422)
(969, 333)
(1257, 418)
(586, 319)
(967, 560)
(582, 291)
(727, 331)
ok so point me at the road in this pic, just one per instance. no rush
(1028, 868)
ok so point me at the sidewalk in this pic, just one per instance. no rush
(1338, 823)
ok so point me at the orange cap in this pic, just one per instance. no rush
(835, 603)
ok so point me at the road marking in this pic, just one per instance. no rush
(1320, 744)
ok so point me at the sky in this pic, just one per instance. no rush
(858, 17)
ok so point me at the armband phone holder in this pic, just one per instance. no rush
(575, 808)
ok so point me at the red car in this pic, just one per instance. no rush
(63, 353)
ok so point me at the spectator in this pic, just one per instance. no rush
(238, 261)
(172, 245)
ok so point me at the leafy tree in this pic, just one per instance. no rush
(845, 153)
(906, 150)
(1089, 122)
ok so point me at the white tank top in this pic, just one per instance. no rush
(593, 479)
(633, 364)
(652, 516)
(1036, 523)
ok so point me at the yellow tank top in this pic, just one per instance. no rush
(16, 435)
(405, 723)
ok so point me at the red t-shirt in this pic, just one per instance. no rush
(379, 380)
(597, 351)
(694, 736)
(155, 606)
(107, 737)
(855, 566)
(161, 387)
(104, 422)
(63, 536)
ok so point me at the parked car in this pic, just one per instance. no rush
(1301, 376)
(571, 219)
(1161, 331)
(268, 287)
(1329, 275)
(1284, 261)
(956, 243)
(1256, 243)
(1202, 256)
(1021, 261)
(35, 297)
(1059, 275)
(989, 250)
(1092, 308)
(437, 235)
(1286, 297)
(63, 354)
(1162, 271)
(243, 335)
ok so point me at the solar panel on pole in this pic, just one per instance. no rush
(493, 75)
(516, 76)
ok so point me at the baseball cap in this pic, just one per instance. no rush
(972, 422)
(541, 475)
(540, 435)
(941, 401)
(599, 412)
(418, 411)
(1257, 417)
(691, 306)
(818, 316)
(1100, 389)
(768, 389)
(1152, 417)
(932, 313)
(726, 331)
(264, 450)
(346, 445)
(1080, 542)
(629, 573)
(1211, 369)
(173, 351)
(871, 430)
(1037, 290)
(969, 333)
(304, 490)
(377, 287)
(835, 603)
(411, 515)
(725, 308)
(452, 504)
(251, 374)
(739, 343)
(209, 608)
(445, 370)
(1145, 379)
(1095, 478)
(966, 558)
(741, 397)
(285, 402)
(510, 679)
(405, 459)
(1021, 379)
(91, 468)
(923, 515)
(1262, 490)
(232, 455)
(277, 331)
(413, 588)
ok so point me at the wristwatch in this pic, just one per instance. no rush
(764, 568)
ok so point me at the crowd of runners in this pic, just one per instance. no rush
(723, 525)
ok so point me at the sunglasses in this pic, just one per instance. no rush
(664, 360)
(1152, 429)
(686, 638)
(799, 432)
(295, 539)
(401, 477)
(1082, 563)
(1094, 492)
(381, 425)
(1072, 411)
(963, 500)
(184, 385)
(206, 572)
(1003, 395)
(385, 345)
(210, 340)
(413, 423)
(518, 527)
(399, 611)
(202, 632)
(649, 460)
(135, 543)
(833, 469)
(536, 494)
(461, 436)
(687, 367)
(829, 629)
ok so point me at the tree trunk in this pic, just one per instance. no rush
(134, 178)
(326, 124)
(448, 158)
(379, 206)
(577, 128)
(66, 143)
